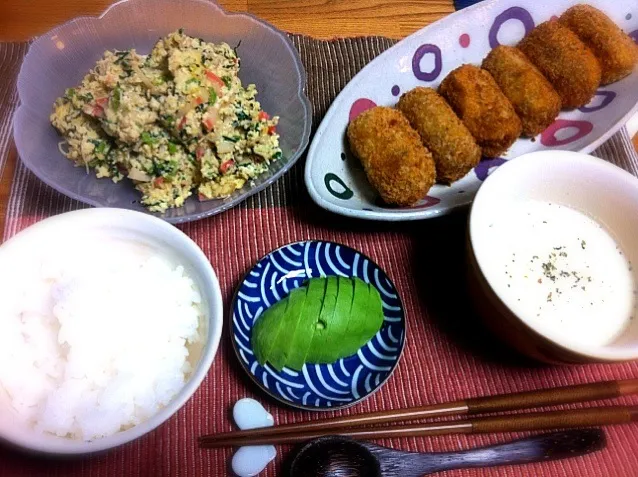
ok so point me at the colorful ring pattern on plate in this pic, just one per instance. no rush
(324, 386)
(486, 166)
(512, 13)
(345, 193)
(578, 129)
(607, 98)
(418, 56)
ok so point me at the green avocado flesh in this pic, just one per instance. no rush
(278, 354)
(264, 336)
(305, 329)
(359, 330)
(321, 322)
(330, 345)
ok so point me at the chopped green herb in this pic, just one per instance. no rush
(120, 56)
(116, 98)
(86, 97)
(227, 81)
(232, 139)
(169, 119)
(192, 80)
(147, 138)
(126, 66)
(276, 155)
(242, 116)
(163, 168)
(172, 148)
(158, 81)
(212, 96)
(100, 146)
(69, 93)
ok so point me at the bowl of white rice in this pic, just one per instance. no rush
(109, 322)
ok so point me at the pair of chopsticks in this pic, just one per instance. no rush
(349, 425)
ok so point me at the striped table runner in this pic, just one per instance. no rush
(448, 354)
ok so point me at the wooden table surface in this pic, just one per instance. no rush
(23, 19)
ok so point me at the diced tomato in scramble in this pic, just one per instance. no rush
(199, 152)
(209, 123)
(226, 165)
(272, 130)
(210, 118)
(93, 110)
(158, 181)
(263, 116)
(181, 123)
(101, 101)
(213, 78)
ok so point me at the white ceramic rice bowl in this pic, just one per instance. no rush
(166, 239)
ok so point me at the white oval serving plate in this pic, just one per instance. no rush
(335, 179)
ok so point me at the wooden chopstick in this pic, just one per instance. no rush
(486, 404)
(596, 416)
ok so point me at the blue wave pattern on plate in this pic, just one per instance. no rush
(318, 386)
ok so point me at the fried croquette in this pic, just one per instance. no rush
(452, 146)
(615, 51)
(398, 166)
(566, 62)
(535, 101)
(481, 105)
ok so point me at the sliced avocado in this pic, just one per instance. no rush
(375, 309)
(329, 319)
(305, 329)
(322, 334)
(266, 329)
(281, 347)
(327, 349)
(359, 326)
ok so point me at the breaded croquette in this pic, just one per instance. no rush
(535, 101)
(452, 146)
(566, 62)
(398, 166)
(483, 108)
(616, 52)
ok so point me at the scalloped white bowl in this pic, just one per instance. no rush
(60, 58)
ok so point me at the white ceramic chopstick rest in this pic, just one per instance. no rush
(251, 460)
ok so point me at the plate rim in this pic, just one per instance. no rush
(275, 396)
(389, 216)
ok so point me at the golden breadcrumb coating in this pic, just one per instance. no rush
(615, 51)
(452, 146)
(534, 99)
(565, 61)
(483, 108)
(398, 166)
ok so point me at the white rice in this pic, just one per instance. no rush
(93, 345)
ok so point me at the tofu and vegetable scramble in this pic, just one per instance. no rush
(175, 121)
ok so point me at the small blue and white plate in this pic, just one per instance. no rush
(318, 387)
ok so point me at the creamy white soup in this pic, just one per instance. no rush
(561, 272)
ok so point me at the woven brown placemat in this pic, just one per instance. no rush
(448, 355)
